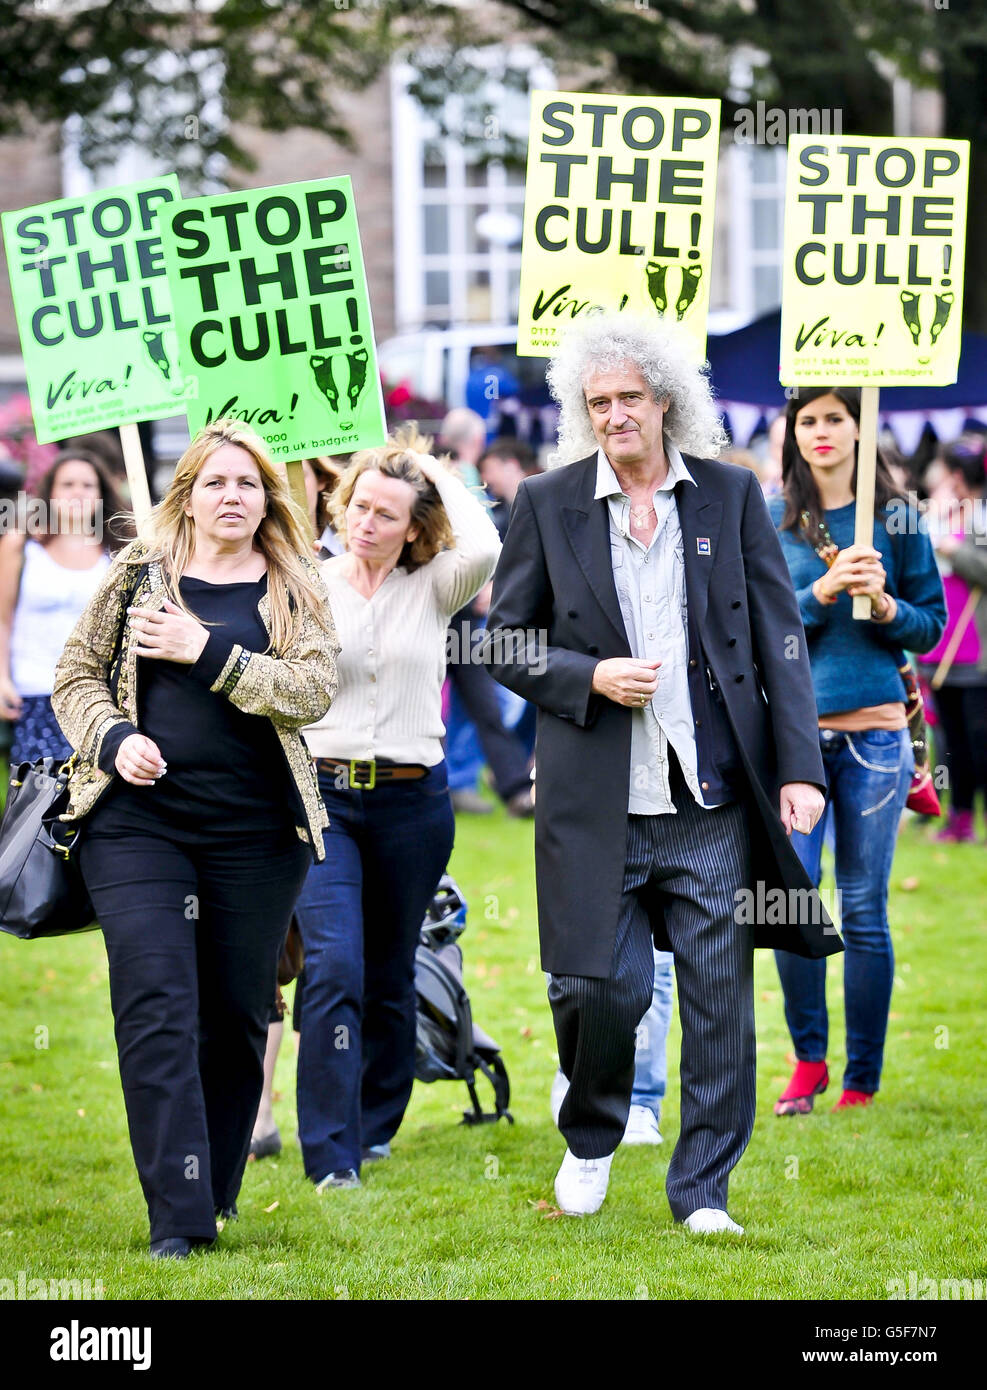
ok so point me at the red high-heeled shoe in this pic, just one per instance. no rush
(809, 1080)
(849, 1098)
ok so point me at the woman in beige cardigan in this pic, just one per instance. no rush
(419, 546)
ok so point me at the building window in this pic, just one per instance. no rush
(750, 231)
(458, 213)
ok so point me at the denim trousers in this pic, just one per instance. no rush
(360, 913)
(650, 1061)
(868, 775)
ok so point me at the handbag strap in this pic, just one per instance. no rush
(114, 675)
(959, 632)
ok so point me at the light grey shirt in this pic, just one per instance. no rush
(650, 583)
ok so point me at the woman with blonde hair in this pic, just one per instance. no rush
(419, 546)
(183, 689)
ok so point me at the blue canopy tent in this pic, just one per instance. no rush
(744, 372)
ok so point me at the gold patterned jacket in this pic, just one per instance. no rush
(292, 688)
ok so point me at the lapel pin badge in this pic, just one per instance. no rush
(702, 545)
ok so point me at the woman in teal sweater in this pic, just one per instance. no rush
(863, 734)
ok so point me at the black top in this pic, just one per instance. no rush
(225, 768)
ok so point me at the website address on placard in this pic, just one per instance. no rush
(314, 445)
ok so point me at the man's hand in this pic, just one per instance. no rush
(139, 761)
(626, 680)
(801, 806)
(170, 635)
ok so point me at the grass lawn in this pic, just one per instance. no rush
(835, 1206)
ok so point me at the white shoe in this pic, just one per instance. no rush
(581, 1184)
(708, 1221)
(560, 1087)
(642, 1127)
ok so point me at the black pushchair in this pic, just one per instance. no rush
(449, 1046)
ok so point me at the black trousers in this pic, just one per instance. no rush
(689, 866)
(193, 932)
(963, 712)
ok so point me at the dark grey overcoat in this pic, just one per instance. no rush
(749, 685)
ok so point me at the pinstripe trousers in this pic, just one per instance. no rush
(691, 864)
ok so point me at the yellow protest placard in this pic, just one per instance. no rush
(873, 262)
(618, 212)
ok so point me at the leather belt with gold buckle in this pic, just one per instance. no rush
(363, 775)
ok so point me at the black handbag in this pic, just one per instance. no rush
(42, 892)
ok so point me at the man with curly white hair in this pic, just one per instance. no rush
(643, 604)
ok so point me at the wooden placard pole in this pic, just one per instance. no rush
(296, 481)
(140, 493)
(866, 468)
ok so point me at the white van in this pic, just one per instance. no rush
(435, 363)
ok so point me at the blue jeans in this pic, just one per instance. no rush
(869, 775)
(650, 1063)
(360, 913)
(464, 756)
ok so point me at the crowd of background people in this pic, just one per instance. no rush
(403, 540)
(946, 479)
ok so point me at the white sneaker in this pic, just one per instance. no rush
(708, 1221)
(642, 1127)
(560, 1087)
(581, 1184)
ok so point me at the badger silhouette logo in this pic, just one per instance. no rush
(340, 378)
(156, 351)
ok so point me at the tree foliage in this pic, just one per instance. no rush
(151, 70)
(179, 77)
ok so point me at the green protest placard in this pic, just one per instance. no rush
(872, 290)
(618, 212)
(273, 316)
(93, 309)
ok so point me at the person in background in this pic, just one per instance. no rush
(418, 547)
(743, 458)
(463, 436)
(11, 483)
(106, 446)
(321, 476)
(46, 580)
(770, 470)
(475, 710)
(961, 699)
(200, 806)
(504, 465)
(650, 1062)
(489, 385)
(863, 735)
